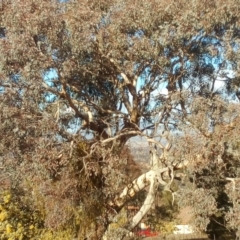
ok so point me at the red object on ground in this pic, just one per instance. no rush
(146, 233)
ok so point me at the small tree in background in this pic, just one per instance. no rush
(80, 78)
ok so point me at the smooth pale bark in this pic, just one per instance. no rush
(159, 171)
(152, 178)
(138, 184)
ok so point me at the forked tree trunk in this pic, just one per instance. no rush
(152, 179)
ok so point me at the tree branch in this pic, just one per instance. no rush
(87, 117)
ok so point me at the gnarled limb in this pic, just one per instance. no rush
(152, 178)
(137, 185)
(160, 170)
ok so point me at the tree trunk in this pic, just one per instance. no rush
(152, 179)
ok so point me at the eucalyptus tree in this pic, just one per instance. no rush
(113, 70)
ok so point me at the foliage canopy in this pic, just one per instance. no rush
(78, 79)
